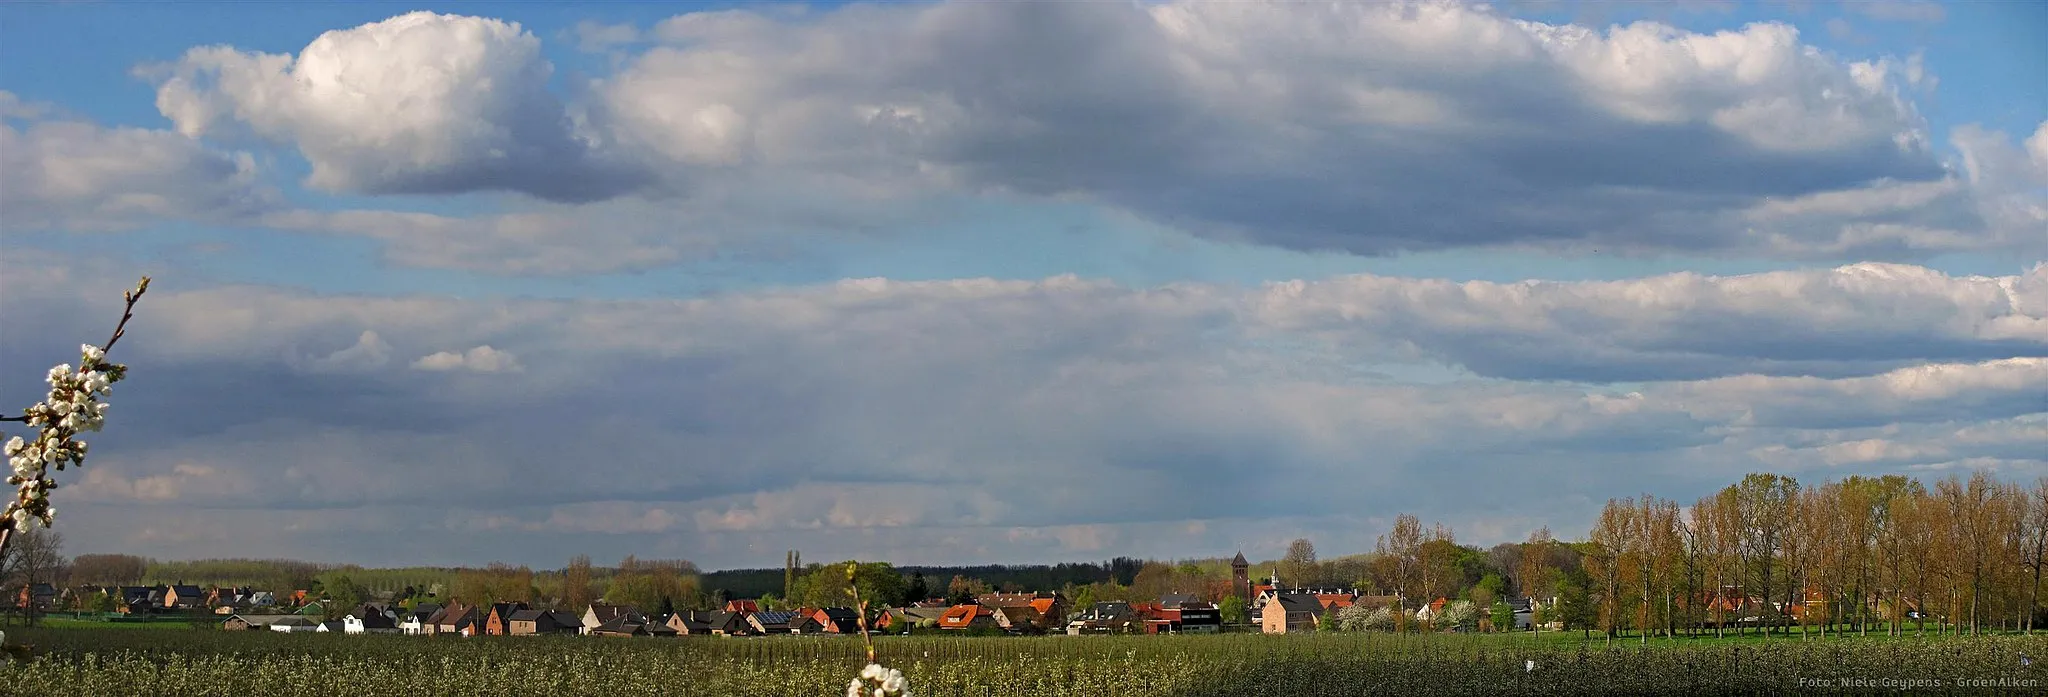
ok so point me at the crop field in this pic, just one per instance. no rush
(94, 663)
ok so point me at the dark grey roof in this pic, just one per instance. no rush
(769, 618)
(1301, 603)
(266, 620)
(526, 615)
(1174, 600)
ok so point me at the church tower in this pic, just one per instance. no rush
(1241, 578)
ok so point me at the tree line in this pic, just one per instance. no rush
(1857, 554)
(1889, 554)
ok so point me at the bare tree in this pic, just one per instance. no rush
(1400, 550)
(1535, 571)
(109, 569)
(36, 557)
(576, 592)
(2034, 544)
(1766, 501)
(1612, 545)
(1299, 566)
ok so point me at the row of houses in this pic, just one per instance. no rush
(146, 599)
(1020, 613)
(739, 618)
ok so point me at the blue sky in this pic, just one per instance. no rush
(1212, 229)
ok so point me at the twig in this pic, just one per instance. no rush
(860, 607)
(120, 330)
(127, 313)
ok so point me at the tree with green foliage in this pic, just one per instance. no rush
(1233, 611)
(919, 590)
(1491, 587)
(343, 594)
(963, 589)
(1503, 616)
(1575, 602)
(827, 586)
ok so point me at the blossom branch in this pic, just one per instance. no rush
(73, 406)
(874, 679)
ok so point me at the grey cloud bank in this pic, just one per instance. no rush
(1368, 129)
(945, 419)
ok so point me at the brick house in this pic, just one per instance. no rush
(1291, 612)
(530, 622)
(37, 596)
(781, 622)
(183, 597)
(968, 616)
(701, 623)
(1051, 609)
(600, 614)
(836, 620)
(456, 619)
(499, 621)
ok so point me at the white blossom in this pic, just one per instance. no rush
(73, 407)
(878, 681)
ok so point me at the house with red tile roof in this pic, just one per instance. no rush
(968, 616)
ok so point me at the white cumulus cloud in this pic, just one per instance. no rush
(482, 359)
(419, 103)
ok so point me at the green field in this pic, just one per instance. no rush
(113, 662)
(68, 623)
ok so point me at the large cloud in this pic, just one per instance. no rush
(61, 172)
(942, 418)
(419, 103)
(1365, 128)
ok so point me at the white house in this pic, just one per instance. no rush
(414, 624)
(368, 621)
(294, 623)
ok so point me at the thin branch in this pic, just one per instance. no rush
(120, 330)
(7, 526)
(127, 313)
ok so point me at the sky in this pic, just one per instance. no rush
(1007, 282)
